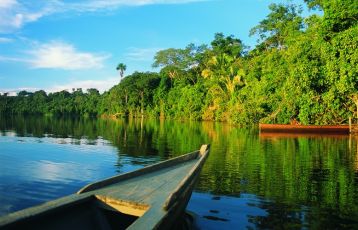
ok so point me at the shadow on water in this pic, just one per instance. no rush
(249, 181)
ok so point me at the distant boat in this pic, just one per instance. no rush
(153, 197)
(321, 129)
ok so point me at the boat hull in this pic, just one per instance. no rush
(154, 197)
(319, 129)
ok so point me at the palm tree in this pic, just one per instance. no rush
(121, 68)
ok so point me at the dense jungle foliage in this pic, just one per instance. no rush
(302, 69)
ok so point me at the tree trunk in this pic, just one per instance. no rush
(126, 97)
(142, 102)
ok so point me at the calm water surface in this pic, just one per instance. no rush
(249, 181)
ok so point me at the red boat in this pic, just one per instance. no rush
(321, 129)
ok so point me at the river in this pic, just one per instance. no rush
(249, 181)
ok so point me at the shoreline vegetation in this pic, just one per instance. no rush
(303, 69)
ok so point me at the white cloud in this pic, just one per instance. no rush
(10, 93)
(141, 54)
(16, 13)
(101, 85)
(13, 92)
(29, 89)
(60, 55)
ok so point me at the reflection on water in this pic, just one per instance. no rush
(249, 180)
(299, 181)
(37, 166)
(225, 212)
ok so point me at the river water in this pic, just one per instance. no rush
(249, 181)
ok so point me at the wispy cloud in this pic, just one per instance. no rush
(59, 55)
(12, 59)
(15, 14)
(95, 5)
(7, 3)
(5, 40)
(141, 54)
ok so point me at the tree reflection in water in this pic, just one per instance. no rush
(279, 182)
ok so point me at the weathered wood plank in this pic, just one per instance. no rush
(139, 172)
(194, 171)
(139, 188)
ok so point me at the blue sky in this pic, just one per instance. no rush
(61, 44)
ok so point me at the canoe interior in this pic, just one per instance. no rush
(321, 129)
(91, 213)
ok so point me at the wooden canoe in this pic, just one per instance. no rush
(153, 197)
(323, 129)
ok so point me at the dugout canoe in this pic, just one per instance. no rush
(321, 129)
(153, 197)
